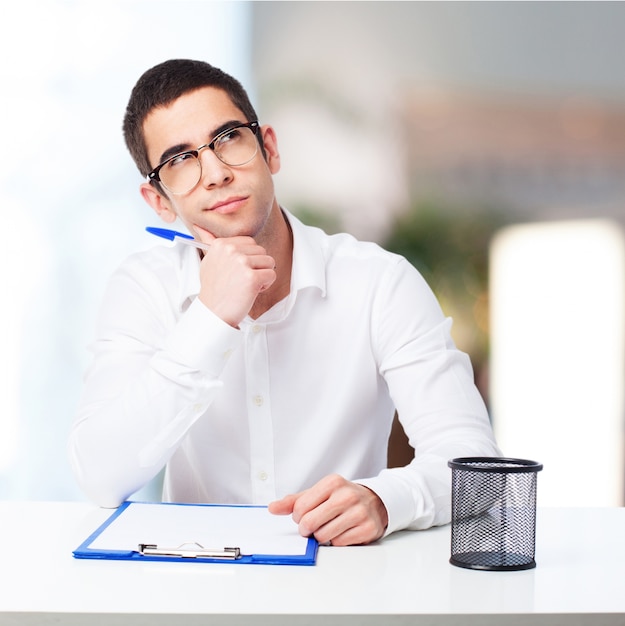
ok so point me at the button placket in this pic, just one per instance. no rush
(259, 414)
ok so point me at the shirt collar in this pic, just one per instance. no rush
(310, 247)
(309, 256)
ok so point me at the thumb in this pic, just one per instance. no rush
(205, 236)
(284, 506)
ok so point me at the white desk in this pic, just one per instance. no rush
(405, 579)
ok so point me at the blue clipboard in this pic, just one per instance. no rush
(198, 533)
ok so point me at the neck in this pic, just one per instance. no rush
(280, 246)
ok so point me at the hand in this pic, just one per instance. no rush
(336, 510)
(233, 272)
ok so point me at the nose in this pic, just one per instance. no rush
(214, 172)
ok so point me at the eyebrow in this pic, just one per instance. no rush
(185, 147)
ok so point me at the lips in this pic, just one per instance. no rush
(229, 205)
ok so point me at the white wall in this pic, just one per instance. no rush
(69, 197)
(558, 356)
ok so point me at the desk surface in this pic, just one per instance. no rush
(404, 579)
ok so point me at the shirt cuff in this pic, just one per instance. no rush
(407, 505)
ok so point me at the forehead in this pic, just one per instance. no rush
(189, 121)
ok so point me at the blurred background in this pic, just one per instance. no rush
(485, 141)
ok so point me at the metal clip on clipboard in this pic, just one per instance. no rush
(194, 551)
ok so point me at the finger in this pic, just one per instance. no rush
(283, 506)
(319, 493)
(351, 527)
(205, 236)
(354, 536)
(307, 505)
(238, 247)
(324, 522)
(262, 261)
(353, 514)
(266, 278)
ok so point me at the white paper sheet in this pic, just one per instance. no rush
(252, 529)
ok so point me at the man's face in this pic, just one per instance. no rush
(227, 201)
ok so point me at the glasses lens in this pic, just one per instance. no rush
(182, 173)
(236, 146)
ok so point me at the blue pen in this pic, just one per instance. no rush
(174, 235)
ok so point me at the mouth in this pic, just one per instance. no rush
(230, 205)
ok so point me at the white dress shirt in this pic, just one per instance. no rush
(309, 388)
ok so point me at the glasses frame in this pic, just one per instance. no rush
(154, 175)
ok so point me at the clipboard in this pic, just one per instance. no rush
(198, 533)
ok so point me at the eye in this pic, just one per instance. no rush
(229, 136)
(180, 159)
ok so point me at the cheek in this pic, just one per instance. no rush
(266, 192)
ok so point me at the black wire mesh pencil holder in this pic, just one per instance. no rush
(493, 517)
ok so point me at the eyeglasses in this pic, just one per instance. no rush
(235, 146)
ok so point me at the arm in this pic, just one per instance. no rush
(440, 408)
(155, 370)
(153, 374)
(431, 384)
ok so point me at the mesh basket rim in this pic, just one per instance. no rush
(494, 465)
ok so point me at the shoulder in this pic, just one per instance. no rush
(347, 267)
(344, 248)
(367, 261)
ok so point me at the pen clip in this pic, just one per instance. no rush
(194, 551)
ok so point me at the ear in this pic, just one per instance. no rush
(160, 203)
(270, 142)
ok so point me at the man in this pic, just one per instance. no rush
(268, 367)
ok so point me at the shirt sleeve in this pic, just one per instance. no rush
(431, 383)
(154, 372)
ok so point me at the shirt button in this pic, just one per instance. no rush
(228, 354)
(198, 407)
(258, 400)
(256, 328)
(263, 476)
